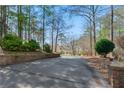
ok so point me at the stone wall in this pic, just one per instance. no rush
(116, 75)
(19, 58)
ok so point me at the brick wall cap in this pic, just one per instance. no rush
(117, 66)
(17, 58)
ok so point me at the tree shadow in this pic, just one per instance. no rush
(53, 72)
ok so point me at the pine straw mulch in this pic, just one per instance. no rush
(100, 64)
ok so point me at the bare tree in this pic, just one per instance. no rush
(89, 12)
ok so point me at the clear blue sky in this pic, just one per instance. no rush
(77, 28)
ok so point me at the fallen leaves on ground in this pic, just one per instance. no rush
(100, 64)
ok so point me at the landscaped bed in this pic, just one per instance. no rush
(100, 64)
(103, 47)
(16, 50)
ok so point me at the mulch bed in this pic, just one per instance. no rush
(100, 64)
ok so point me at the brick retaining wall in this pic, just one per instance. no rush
(19, 58)
(117, 75)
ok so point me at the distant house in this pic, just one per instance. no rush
(63, 50)
(58, 50)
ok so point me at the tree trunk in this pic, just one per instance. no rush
(43, 25)
(1, 24)
(52, 39)
(25, 31)
(4, 21)
(52, 32)
(73, 49)
(20, 21)
(29, 24)
(90, 39)
(7, 17)
(94, 27)
(111, 34)
(56, 41)
(105, 56)
(119, 32)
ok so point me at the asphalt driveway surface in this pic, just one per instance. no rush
(63, 72)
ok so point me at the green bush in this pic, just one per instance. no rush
(11, 43)
(104, 46)
(25, 47)
(33, 45)
(47, 48)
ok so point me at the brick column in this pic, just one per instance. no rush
(116, 75)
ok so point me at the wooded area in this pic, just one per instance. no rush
(102, 22)
(47, 24)
(88, 39)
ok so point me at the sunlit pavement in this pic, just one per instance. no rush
(66, 71)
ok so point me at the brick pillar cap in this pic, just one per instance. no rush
(117, 65)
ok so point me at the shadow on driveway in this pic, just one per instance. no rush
(65, 72)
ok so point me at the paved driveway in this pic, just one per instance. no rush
(67, 72)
